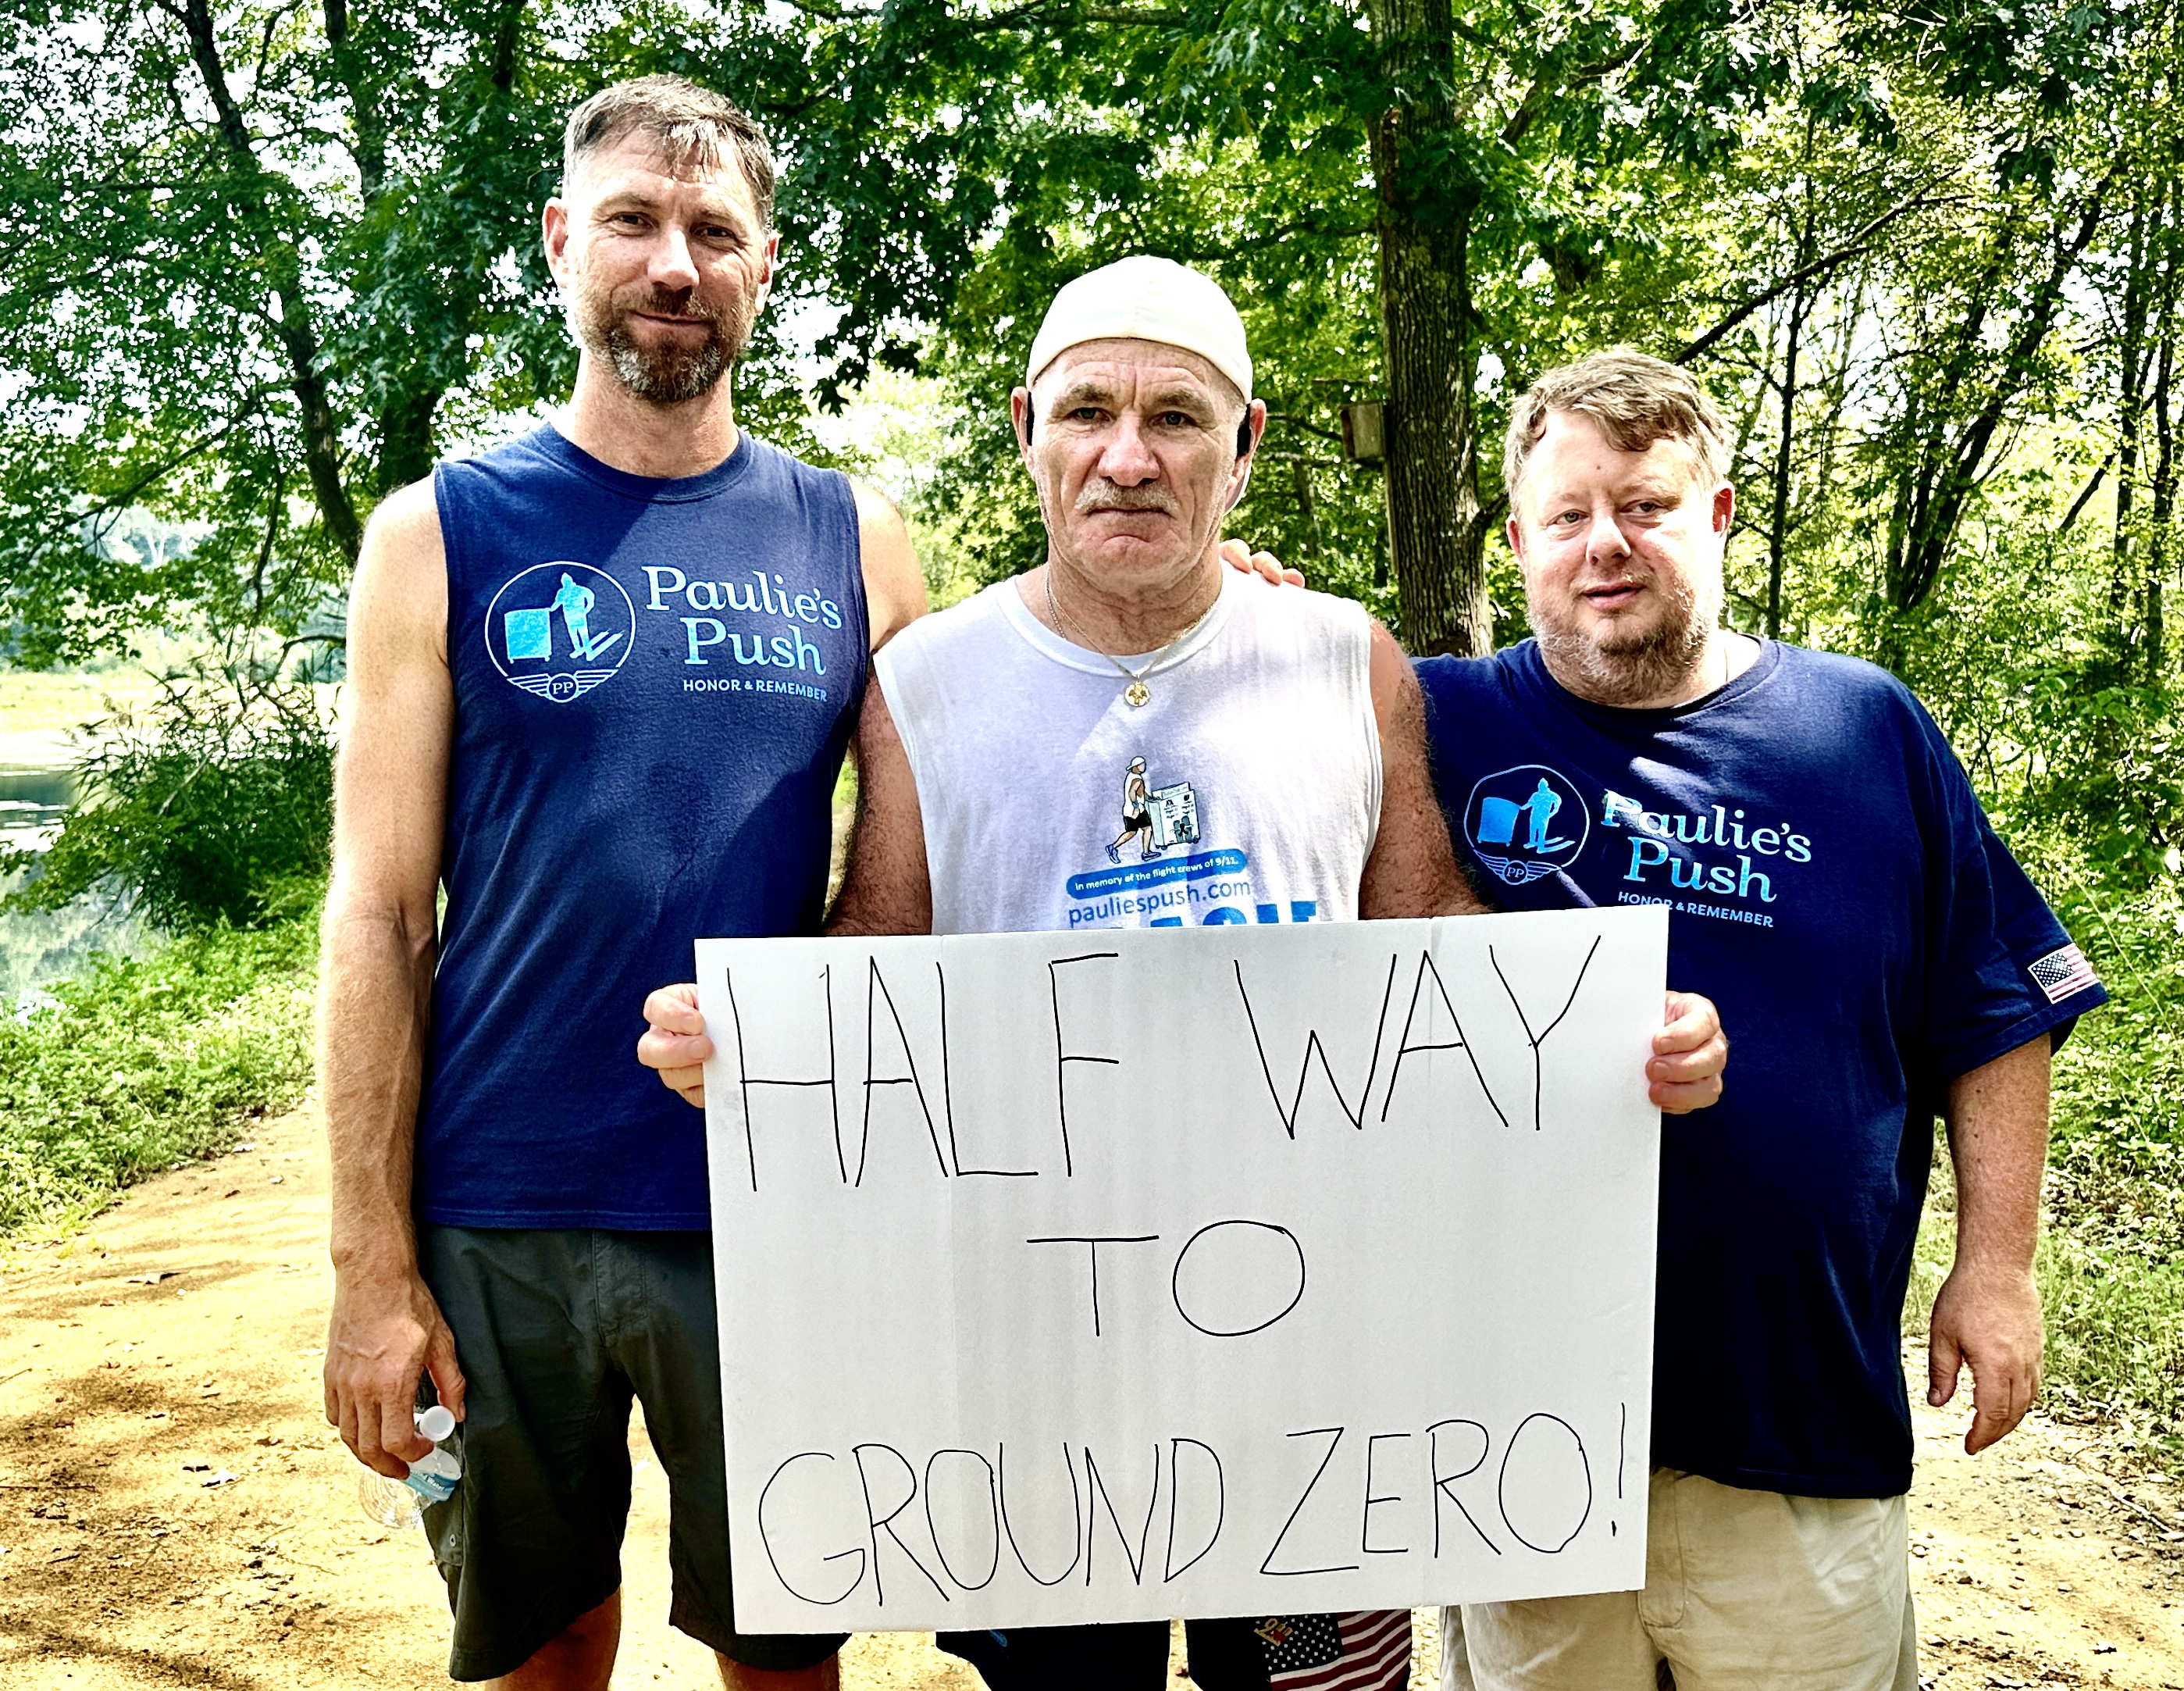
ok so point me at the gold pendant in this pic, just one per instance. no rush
(1137, 693)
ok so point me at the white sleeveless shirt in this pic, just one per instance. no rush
(1247, 789)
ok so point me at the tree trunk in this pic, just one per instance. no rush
(1778, 538)
(290, 311)
(1436, 527)
(2165, 456)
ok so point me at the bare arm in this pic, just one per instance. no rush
(895, 586)
(885, 889)
(375, 1000)
(1412, 869)
(1987, 1314)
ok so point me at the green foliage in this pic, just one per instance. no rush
(135, 1065)
(212, 806)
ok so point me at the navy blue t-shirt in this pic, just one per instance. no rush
(1837, 890)
(654, 684)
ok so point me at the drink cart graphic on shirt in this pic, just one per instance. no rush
(1154, 818)
(1526, 822)
(559, 649)
(1174, 812)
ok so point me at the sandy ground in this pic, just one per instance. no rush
(174, 1511)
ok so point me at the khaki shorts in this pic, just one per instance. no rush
(1745, 1591)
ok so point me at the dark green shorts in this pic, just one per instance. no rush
(556, 1331)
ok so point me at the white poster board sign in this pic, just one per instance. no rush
(1232, 1271)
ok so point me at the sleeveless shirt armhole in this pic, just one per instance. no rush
(904, 707)
(447, 503)
(1364, 684)
(846, 496)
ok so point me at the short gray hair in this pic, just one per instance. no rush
(1634, 399)
(690, 123)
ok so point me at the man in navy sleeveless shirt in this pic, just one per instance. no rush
(601, 682)
(1879, 958)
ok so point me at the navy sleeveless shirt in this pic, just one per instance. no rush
(655, 684)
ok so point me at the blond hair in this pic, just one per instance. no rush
(1634, 399)
(689, 123)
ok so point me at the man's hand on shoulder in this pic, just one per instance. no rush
(1238, 555)
(674, 1041)
(894, 585)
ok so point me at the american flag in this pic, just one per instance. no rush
(1368, 1650)
(2060, 974)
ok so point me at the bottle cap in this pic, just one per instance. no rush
(436, 1422)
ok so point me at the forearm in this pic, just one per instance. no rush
(374, 1019)
(1997, 1121)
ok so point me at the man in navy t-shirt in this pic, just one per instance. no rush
(1878, 957)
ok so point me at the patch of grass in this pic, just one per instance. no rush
(138, 1064)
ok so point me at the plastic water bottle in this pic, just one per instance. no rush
(401, 1504)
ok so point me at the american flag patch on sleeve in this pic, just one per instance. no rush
(2060, 974)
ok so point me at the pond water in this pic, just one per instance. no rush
(33, 796)
(38, 947)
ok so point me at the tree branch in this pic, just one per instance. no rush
(1854, 247)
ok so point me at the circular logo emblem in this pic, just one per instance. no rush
(558, 630)
(1526, 822)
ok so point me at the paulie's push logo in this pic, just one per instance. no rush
(1525, 823)
(558, 630)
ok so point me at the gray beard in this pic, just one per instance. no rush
(1630, 670)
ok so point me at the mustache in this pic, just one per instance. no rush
(671, 303)
(1106, 496)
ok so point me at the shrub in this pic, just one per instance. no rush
(212, 807)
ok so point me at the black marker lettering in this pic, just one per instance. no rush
(1076, 1534)
(1312, 1048)
(1404, 1047)
(1233, 1323)
(1502, 1490)
(748, 1079)
(1175, 1492)
(1365, 1529)
(1539, 1039)
(1096, 1242)
(948, 1093)
(1268, 1566)
(1094, 1485)
(1443, 1482)
(767, 1539)
(875, 1523)
(1063, 1057)
(993, 1504)
(876, 991)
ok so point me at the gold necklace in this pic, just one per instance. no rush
(1137, 692)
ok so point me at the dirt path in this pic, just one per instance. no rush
(175, 1512)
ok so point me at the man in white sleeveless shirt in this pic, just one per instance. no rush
(1268, 745)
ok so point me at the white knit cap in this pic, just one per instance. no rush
(1145, 299)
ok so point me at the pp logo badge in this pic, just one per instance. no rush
(558, 630)
(1525, 823)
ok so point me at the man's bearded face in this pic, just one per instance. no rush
(668, 369)
(1622, 555)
